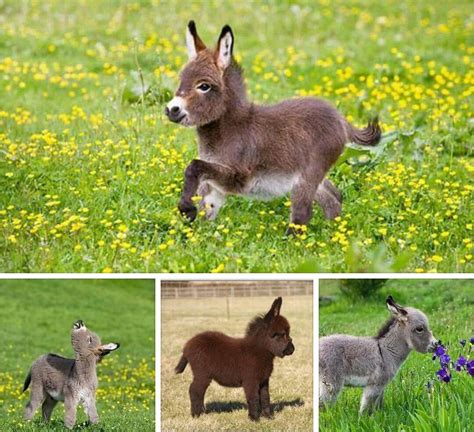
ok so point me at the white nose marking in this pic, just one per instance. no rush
(178, 102)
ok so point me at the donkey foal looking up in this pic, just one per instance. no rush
(251, 150)
(74, 381)
(371, 362)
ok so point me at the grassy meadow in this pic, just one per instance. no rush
(36, 319)
(91, 171)
(291, 383)
(408, 404)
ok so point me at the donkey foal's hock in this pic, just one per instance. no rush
(256, 151)
(74, 381)
(372, 362)
(238, 362)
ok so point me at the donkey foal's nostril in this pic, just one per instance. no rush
(175, 110)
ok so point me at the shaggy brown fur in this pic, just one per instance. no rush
(252, 150)
(238, 362)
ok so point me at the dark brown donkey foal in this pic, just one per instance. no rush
(238, 362)
(257, 151)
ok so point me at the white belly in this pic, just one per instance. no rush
(355, 381)
(269, 186)
(56, 395)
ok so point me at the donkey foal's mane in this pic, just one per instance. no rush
(385, 328)
(255, 326)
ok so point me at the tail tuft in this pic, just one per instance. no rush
(369, 136)
(181, 365)
(27, 382)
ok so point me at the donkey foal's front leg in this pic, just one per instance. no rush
(198, 170)
(253, 400)
(91, 410)
(370, 398)
(265, 400)
(70, 407)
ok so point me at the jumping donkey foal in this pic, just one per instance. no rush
(238, 362)
(54, 378)
(372, 362)
(256, 151)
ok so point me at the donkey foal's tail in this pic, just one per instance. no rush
(183, 361)
(369, 136)
(27, 382)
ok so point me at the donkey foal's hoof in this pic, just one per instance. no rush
(188, 210)
(293, 231)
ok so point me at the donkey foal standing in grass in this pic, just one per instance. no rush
(372, 362)
(54, 378)
(252, 150)
(238, 362)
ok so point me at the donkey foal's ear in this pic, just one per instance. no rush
(225, 45)
(395, 308)
(274, 310)
(193, 41)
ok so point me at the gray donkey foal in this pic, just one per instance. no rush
(74, 381)
(372, 362)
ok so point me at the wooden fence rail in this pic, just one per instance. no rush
(195, 289)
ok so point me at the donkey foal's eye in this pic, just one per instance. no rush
(203, 87)
(419, 329)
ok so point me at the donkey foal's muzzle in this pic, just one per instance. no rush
(175, 110)
(290, 349)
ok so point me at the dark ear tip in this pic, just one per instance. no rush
(192, 26)
(226, 29)
(389, 299)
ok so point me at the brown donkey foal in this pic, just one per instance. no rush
(256, 151)
(238, 362)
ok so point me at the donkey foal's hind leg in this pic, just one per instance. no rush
(197, 390)
(37, 397)
(302, 197)
(212, 200)
(48, 406)
(329, 389)
(329, 199)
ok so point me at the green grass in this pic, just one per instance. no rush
(291, 384)
(408, 405)
(91, 174)
(36, 319)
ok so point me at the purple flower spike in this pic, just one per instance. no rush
(439, 351)
(470, 367)
(443, 375)
(460, 363)
(444, 360)
(472, 341)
